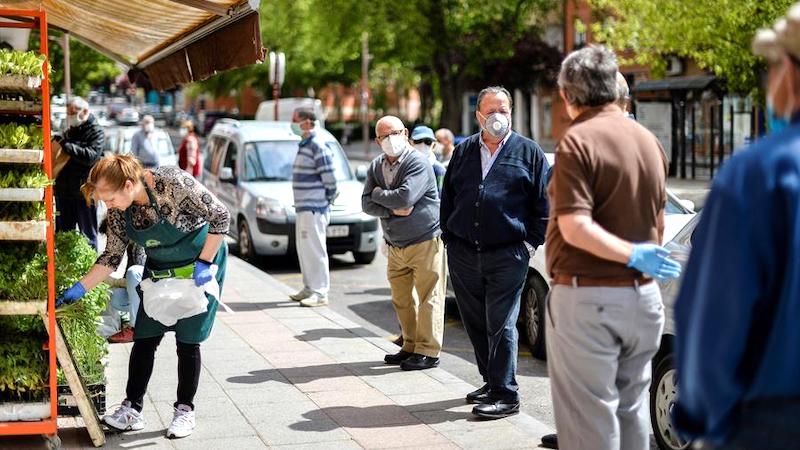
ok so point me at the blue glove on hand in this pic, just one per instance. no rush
(202, 272)
(72, 295)
(653, 260)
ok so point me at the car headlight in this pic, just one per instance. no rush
(270, 209)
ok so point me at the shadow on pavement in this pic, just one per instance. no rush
(382, 416)
(321, 333)
(312, 373)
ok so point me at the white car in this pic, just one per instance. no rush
(248, 165)
(121, 144)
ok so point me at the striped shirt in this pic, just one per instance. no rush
(313, 178)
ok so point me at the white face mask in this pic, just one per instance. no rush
(74, 120)
(149, 127)
(183, 132)
(393, 145)
(424, 149)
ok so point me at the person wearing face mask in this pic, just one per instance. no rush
(424, 142)
(493, 217)
(446, 139)
(144, 144)
(401, 190)
(83, 142)
(315, 189)
(737, 351)
(189, 155)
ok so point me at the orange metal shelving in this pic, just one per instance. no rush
(37, 20)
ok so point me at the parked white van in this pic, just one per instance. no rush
(286, 107)
(248, 165)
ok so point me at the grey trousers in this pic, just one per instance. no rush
(600, 341)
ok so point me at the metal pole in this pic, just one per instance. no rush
(67, 74)
(721, 131)
(711, 141)
(694, 137)
(276, 93)
(365, 91)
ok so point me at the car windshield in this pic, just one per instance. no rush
(273, 160)
(674, 206)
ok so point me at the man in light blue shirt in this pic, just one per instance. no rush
(144, 144)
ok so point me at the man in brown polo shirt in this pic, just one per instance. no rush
(605, 314)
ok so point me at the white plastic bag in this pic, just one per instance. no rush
(170, 299)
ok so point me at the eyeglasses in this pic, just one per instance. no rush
(424, 141)
(391, 133)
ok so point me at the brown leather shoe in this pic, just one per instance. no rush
(123, 336)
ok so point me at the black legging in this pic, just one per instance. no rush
(140, 368)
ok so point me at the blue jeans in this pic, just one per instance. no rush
(128, 299)
(488, 285)
(769, 423)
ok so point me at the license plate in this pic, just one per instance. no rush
(337, 231)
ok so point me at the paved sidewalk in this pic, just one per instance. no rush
(279, 376)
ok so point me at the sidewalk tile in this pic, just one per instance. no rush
(265, 394)
(231, 427)
(316, 384)
(496, 438)
(361, 398)
(370, 416)
(458, 419)
(320, 371)
(232, 443)
(298, 359)
(414, 436)
(402, 382)
(429, 401)
(332, 445)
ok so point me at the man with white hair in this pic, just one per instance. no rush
(604, 315)
(401, 189)
(83, 142)
(144, 144)
(737, 350)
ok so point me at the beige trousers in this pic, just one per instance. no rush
(421, 267)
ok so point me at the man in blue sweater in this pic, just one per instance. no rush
(493, 216)
(314, 186)
(737, 339)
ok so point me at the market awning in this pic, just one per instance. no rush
(173, 41)
(693, 83)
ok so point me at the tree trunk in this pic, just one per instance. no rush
(451, 93)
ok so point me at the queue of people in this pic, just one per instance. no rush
(485, 216)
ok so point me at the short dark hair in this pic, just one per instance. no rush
(306, 113)
(493, 90)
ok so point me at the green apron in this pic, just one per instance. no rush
(167, 247)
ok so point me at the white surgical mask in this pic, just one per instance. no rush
(394, 144)
(149, 127)
(183, 132)
(296, 129)
(74, 120)
(424, 149)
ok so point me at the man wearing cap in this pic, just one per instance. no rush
(401, 189)
(738, 343)
(424, 140)
(494, 214)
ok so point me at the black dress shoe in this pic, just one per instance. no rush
(496, 409)
(419, 362)
(479, 396)
(550, 441)
(397, 358)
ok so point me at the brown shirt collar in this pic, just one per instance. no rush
(597, 111)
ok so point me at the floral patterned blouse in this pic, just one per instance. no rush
(184, 203)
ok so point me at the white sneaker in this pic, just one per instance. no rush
(183, 422)
(302, 295)
(125, 418)
(314, 300)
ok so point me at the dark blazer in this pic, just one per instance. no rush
(507, 207)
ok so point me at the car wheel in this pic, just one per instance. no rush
(364, 257)
(534, 295)
(246, 249)
(663, 393)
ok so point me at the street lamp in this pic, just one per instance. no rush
(277, 73)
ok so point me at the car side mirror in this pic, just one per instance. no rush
(226, 174)
(361, 173)
(688, 204)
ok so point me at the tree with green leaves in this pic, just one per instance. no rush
(717, 34)
(443, 46)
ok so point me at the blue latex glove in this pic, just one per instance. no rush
(72, 295)
(653, 260)
(202, 272)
